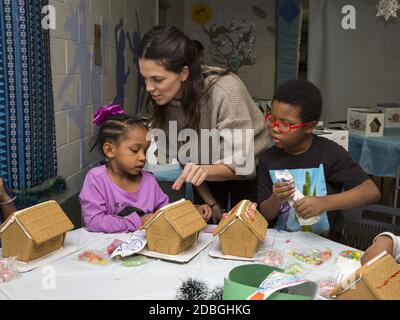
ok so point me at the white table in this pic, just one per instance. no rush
(156, 279)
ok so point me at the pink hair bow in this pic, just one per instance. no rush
(104, 112)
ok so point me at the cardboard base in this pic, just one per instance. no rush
(202, 242)
(216, 252)
(46, 260)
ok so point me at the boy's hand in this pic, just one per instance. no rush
(146, 218)
(283, 191)
(309, 207)
(205, 211)
(381, 244)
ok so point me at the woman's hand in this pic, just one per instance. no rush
(381, 244)
(192, 173)
(205, 211)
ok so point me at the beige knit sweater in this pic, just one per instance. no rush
(229, 108)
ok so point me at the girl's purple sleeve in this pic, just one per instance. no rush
(94, 210)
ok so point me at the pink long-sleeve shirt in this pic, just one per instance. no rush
(106, 207)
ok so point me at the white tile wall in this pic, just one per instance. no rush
(80, 87)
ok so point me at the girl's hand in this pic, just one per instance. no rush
(146, 218)
(216, 213)
(309, 207)
(192, 173)
(381, 244)
(205, 211)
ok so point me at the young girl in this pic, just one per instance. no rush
(119, 196)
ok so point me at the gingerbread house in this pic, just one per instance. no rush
(376, 280)
(174, 228)
(34, 232)
(241, 230)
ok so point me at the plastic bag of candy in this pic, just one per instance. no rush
(295, 268)
(272, 257)
(8, 270)
(312, 256)
(351, 254)
(94, 257)
(325, 286)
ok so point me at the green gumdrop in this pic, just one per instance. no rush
(134, 261)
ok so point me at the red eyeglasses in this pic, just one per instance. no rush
(282, 126)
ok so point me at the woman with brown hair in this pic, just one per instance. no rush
(205, 99)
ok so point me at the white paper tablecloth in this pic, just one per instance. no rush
(156, 279)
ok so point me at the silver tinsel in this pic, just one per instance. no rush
(194, 289)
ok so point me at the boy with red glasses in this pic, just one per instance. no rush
(322, 170)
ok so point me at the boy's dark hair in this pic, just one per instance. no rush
(114, 127)
(301, 93)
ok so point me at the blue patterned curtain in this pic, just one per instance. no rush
(27, 130)
(288, 21)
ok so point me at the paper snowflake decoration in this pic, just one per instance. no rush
(388, 8)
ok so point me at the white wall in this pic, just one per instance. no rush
(260, 77)
(80, 86)
(358, 67)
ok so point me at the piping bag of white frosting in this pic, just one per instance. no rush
(285, 176)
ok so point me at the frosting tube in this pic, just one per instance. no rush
(285, 176)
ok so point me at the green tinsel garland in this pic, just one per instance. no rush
(29, 197)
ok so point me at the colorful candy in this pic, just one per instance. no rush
(294, 268)
(314, 256)
(93, 257)
(351, 254)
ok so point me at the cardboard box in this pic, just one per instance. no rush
(241, 230)
(380, 280)
(174, 228)
(370, 124)
(351, 109)
(341, 137)
(392, 114)
(244, 280)
(34, 232)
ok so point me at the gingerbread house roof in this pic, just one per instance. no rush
(182, 216)
(382, 277)
(254, 221)
(41, 222)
